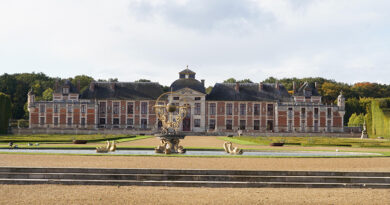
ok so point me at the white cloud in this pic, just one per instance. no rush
(218, 38)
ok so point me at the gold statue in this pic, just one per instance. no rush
(171, 116)
(110, 147)
(228, 146)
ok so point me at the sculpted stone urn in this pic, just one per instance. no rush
(171, 116)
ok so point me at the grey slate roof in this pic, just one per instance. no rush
(307, 90)
(188, 83)
(123, 90)
(187, 71)
(248, 92)
(67, 83)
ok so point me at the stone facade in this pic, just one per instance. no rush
(250, 107)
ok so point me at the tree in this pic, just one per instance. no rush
(230, 80)
(5, 112)
(47, 95)
(209, 89)
(351, 120)
(83, 81)
(245, 81)
(143, 80)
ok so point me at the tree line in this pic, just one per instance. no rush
(16, 86)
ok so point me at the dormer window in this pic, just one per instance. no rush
(182, 76)
(65, 90)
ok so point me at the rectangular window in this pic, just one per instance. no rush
(130, 123)
(197, 109)
(115, 122)
(315, 125)
(56, 121)
(115, 109)
(197, 123)
(65, 90)
(42, 108)
(256, 109)
(229, 109)
(329, 112)
(303, 112)
(144, 123)
(102, 121)
(42, 120)
(290, 112)
(256, 125)
(176, 98)
(69, 121)
(229, 124)
(242, 124)
(316, 112)
(303, 126)
(329, 126)
(270, 109)
(212, 108)
(69, 108)
(82, 108)
(130, 107)
(102, 108)
(144, 108)
(290, 125)
(212, 124)
(55, 110)
(197, 98)
(82, 121)
(242, 109)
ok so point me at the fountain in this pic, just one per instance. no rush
(171, 116)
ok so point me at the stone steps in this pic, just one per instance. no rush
(193, 178)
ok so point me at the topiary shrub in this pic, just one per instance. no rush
(5, 112)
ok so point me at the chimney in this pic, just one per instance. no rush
(237, 87)
(92, 86)
(294, 87)
(277, 85)
(112, 86)
(261, 86)
(202, 82)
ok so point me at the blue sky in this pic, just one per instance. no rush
(345, 40)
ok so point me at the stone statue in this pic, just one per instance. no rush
(228, 146)
(364, 131)
(110, 147)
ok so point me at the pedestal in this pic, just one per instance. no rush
(170, 144)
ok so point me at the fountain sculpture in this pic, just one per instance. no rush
(110, 147)
(171, 116)
(228, 146)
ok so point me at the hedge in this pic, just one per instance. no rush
(5, 112)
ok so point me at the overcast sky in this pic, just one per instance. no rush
(344, 40)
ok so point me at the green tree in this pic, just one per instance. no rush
(230, 80)
(5, 112)
(209, 89)
(47, 95)
(143, 80)
(351, 120)
(82, 81)
(245, 81)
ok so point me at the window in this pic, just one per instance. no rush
(42, 120)
(229, 124)
(256, 109)
(329, 126)
(42, 108)
(56, 121)
(242, 109)
(316, 112)
(82, 121)
(212, 124)
(315, 125)
(329, 112)
(303, 125)
(115, 122)
(144, 123)
(102, 121)
(65, 90)
(229, 109)
(270, 109)
(55, 110)
(130, 123)
(102, 108)
(256, 125)
(176, 98)
(69, 121)
(197, 123)
(197, 98)
(82, 108)
(115, 109)
(290, 125)
(144, 108)
(242, 124)
(197, 109)
(130, 107)
(303, 112)
(290, 112)
(69, 108)
(212, 108)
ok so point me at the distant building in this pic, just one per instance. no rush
(250, 107)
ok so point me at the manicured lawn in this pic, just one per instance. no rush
(311, 141)
(61, 139)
